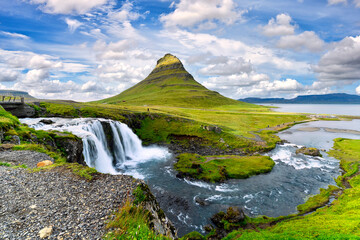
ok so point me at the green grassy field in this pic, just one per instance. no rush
(221, 168)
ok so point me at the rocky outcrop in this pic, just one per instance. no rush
(227, 222)
(72, 148)
(309, 151)
(158, 220)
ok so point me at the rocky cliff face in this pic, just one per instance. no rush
(158, 220)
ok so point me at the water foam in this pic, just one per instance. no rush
(124, 154)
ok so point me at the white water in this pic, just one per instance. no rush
(127, 150)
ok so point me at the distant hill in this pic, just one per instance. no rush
(170, 84)
(335, 98)
(15, 93)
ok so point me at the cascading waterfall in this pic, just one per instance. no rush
(123, 152)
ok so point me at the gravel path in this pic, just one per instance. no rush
(29, 158)
(74, 207)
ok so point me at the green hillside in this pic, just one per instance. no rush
(169, 84)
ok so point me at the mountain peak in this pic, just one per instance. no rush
(170, 84)
(168, 59)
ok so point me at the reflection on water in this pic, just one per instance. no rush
(338, 109)
(320, 138)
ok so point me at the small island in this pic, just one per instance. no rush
(221, 168)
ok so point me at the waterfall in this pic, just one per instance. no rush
(113, 150)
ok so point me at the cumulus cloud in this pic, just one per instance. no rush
(68, 6)
(358, 90)
(308, 40)
(8, 75)
(257, 55)
(73, 24)
(268, 88)
(227, 67)
(341, 62)
(189, 13)
(14, 35)
(280, 26)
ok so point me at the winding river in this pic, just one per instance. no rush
(293, 179)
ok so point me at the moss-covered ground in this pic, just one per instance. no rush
(40, 141)
(340, 220)
(248, 127)
(221, 168)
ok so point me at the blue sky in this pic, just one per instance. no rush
(87, 50)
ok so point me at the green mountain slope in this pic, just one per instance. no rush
(169, 84)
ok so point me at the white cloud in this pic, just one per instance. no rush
(35, 76)
(279, 26)
(68, 6)
(357, 3)
(125, 13)
(8, 75)
(267, 88)
(14, 35)
(229, 67)
(334, 2)
(307, 40)
(341, 62)
(257, 55)
(189, 13)
(358, 90)
(73, 24)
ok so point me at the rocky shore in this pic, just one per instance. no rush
(67, 205)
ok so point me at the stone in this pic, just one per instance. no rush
(46, 121)
(45, 232)
(235, 215)
(201, 201)
(309, 151)
(44, 163)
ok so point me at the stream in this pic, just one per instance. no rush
(293, 179)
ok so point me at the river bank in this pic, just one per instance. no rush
(73, 207)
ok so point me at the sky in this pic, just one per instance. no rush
(87, 50)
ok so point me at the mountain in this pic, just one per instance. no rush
(334, 98)
(171, 85)
(14, 93)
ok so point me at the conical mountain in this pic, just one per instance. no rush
(170, 84)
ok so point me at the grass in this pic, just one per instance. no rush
(337, 221)
(220, 168)
(318, 200)
(131, 222)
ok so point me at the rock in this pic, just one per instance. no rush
(44, 163)
(14, 139)
(6, 146)
(46, 121)
(208, 228)
(309, 151)
(201, 201)
(45, 232)
(235, 215)
(215, 129)
(217, 219)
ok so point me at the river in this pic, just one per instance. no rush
(292, 180)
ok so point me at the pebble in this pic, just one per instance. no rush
(74, 207)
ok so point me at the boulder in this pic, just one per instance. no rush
(309, 151)
(46, 121)
(44, 163)
(235, 215)
(45, 232)
(201, 201)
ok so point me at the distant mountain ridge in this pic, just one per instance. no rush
(15, 93)
(169, 84)
(334, 98)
